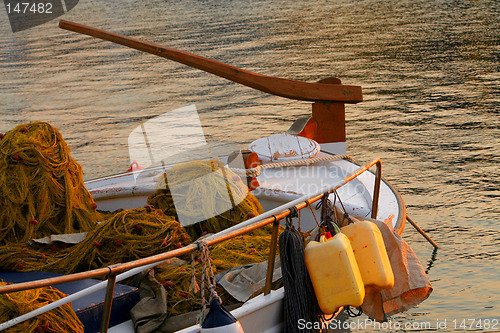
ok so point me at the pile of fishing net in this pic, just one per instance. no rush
(127, 235)
(41, 186)
(206, 196)
(42, 193)
(61, 319)
(134, 234)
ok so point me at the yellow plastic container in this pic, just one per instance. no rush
(334, 273)
(371, 255)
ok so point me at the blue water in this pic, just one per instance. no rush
(430, 72)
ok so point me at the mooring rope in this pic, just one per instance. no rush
(254, 172)
(208, 275)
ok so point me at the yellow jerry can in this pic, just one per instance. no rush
(334, 273)
(371, 255)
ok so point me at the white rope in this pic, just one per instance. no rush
(254, 172)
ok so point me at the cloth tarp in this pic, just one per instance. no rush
(150, 314)
(246, 282)
(411, 284)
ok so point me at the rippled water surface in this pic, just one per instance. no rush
(430, 72)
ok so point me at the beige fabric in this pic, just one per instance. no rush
(74, 238)
(411, 285)
(151, 311)
(150, 314)
(246, 282)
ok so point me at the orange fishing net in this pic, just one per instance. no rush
(41, 186)
(42, 193)
(61, 319)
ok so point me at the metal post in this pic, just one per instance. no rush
(272, 256)
(108, 302)
(376, 189)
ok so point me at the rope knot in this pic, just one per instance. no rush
(294, 212)
(201, 245)
(207, 275)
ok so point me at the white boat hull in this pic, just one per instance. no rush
(277, 187)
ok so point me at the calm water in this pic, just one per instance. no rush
(430, 72)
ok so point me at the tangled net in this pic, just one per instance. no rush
(209, 196)
(176, 275)
(61, 319)
(128, 235)
(41, 186)
(177, 280)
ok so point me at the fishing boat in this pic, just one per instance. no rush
(292, 171)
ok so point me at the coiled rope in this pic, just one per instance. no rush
(300, 301)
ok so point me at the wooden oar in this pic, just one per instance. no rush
(422, 232)
(276, 86)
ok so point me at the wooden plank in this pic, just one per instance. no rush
(330, 121)
(276, 86)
